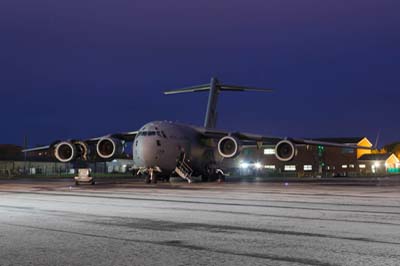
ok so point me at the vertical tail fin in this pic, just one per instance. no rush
(214, 89)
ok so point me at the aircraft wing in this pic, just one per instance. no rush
(125, 136)
(250, 139)
(328, 144)
(40, 148)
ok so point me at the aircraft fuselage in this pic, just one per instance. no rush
(162, 145)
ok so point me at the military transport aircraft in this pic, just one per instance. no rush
(163, 148)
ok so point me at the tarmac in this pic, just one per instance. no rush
(53, 222)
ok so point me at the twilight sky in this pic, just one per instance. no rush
(84, 68)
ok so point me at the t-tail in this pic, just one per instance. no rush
(214, 88)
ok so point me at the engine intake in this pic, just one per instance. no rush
(109, 147)
(285, 150)
(228, 147)
(65, 151)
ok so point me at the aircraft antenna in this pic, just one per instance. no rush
(377, 139)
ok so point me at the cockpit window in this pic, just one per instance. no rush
(148, 133)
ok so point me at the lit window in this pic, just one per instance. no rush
(290, 168)
(361, 165)
(270, 167)
(269, 151)
(308, 167)
(344, 166)
(351, 165)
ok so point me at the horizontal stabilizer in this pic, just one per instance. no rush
(221, 87)
(204, 87)
(214, 88)
(224, 87)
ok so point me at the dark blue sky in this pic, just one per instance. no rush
(82, 68)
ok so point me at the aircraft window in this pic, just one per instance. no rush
(165, 136)
(151, 133)
(158, 133)
(144, 133)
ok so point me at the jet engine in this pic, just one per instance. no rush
(65, 151)
(229, 147)
(285, 150)
(108, 147)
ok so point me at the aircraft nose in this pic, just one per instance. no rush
(145, 153)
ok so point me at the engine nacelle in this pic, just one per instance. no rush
(229, 147)
(108, 147)
(285, 150)
(82, 150)
(65, 151)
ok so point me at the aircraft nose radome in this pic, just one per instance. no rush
(145, 153)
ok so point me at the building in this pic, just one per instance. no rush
(379, 163)
(312, 160)
(13, 162)
(10, 152)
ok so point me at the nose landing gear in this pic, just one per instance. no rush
(151, 175)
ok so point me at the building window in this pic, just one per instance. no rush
(308, 167)
(290, 168)
(347, 150)
(248, 152)
(269, 151)
(344, 166)
(361, 166)
(272, 167)
(351, 165)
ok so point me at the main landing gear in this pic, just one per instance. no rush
(218, 176)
